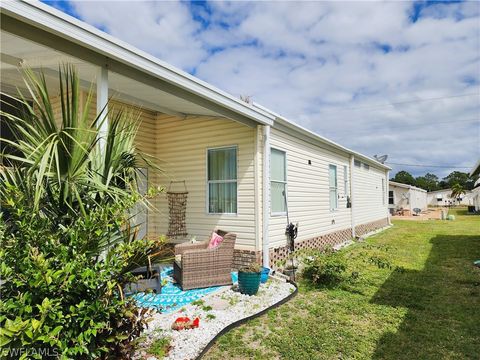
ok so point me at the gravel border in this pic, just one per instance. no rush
(219, 313)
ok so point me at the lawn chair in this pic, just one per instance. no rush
(197, 266)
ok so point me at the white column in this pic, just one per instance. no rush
(102, 103)
(352, 200)
(266, 194)
(258, 190)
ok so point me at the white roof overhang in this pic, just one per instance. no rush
(181, 92)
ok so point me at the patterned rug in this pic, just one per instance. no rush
(172, 296)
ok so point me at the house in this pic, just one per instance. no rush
(475, 194)
(405, 197)
(245, 168)
(443, 198)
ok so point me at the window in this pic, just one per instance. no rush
(332, 178)
(383, 191)
(357, 163)
(222, 180)
(366, 166)
(391, 200)
(278, 182)
(345, 181)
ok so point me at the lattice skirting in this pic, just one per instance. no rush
(245, 257)
(369, 227)
(318, 242)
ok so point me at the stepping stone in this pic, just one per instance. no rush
(217, 303)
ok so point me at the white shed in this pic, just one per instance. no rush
(443, 198)
(475, 194)
(406, 197)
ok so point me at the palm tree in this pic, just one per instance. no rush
(457, 191)
(66, 152)
(64, 164)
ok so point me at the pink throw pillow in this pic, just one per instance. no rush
(215, 240)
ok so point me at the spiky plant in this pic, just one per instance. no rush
(66, 197)
(69, 152)
(457, 191)
(64, 163)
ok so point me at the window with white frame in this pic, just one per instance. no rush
(333, 190)
(391, 199)
(345, 180)
(278, 182)
(222, 180)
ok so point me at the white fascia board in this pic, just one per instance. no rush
(54, 21)
(394, 183)
(406, 186)
(475, 169)
(439, 191)
(312, 135)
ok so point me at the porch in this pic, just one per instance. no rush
(183, 124)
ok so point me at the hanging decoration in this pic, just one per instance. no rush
(177, 207)
(291, 231)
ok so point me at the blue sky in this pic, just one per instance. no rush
(397, 78)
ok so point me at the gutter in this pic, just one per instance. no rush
(53, 21)
(314, 136)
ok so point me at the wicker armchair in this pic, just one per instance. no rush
(202, 267)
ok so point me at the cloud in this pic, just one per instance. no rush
(359, 74)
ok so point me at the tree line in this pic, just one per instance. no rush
(432, 182)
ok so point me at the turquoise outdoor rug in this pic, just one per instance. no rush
(172, 296)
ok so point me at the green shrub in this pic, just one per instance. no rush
(56, 296)
(253, 267)
(327, 268)
(67, 234)
(160, 347)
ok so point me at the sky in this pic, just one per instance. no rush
(398, 78)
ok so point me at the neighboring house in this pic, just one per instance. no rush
(242, 164)
(443, 198)
(407, 197)
(475, 195)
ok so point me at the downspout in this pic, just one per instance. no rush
(352, 200)
(266, 195)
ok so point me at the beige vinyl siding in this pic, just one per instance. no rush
(368, 196)
(400, 197)
(408, 198)
(467, 199)
(145, 142)
(418, 199)
(182, 148)
(308, 190)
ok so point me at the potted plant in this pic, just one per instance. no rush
(249, 279)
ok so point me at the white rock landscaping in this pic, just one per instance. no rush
(216, 311)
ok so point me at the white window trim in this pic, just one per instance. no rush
(279, 213)
(392, 197)
(330, 188)
(345, 180)
(208, 182)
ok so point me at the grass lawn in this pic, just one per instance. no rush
(426, 305)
